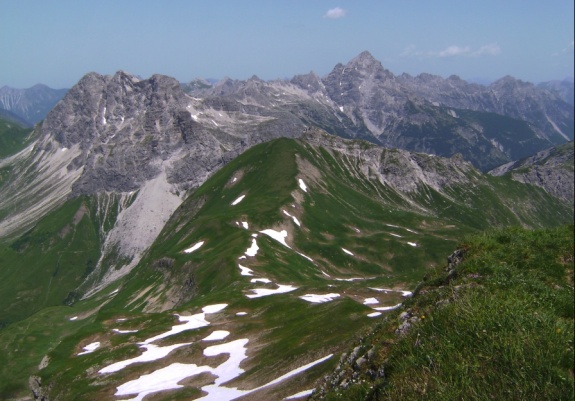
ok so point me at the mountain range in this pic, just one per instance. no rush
(246, 208)
(31, 104)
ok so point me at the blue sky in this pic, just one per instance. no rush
(57, 42)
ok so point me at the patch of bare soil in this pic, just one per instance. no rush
(235, 178)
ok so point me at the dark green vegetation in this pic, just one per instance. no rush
(499, 326)
(345, 206)
(13, 138)
(467, 132)
(43, 266)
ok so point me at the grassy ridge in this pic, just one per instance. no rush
(500, 328)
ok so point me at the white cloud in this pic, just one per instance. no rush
(454, 51)
(491, 49)
(335, 13)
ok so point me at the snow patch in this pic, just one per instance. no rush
(217, 335)
(279, 236)
(296, 371)
(264, 292)
(404, 293)
(162, 379)
(252, 250)
(260, 280)
(374, 314)
(295, 220)
(350, 279)
(241, 198)
(302, 185)
(305, 256)
(245, 224)
(190, 322)
(88, 349)
(370, 301)
(304, 393)
(346, 251)
(245, 271)
(152, 353)
(319, 298)
(387, 308)
(124, 331)
(195, 247)
(412, 243)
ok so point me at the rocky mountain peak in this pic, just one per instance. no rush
(311, 81)
(364, 59)
(368, 65)
(509, 82)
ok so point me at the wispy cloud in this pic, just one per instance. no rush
(335, 13)
(491, 49)
(567, 49)
(453, 51)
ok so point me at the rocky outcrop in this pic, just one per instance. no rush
(404, 171)
(551, 169)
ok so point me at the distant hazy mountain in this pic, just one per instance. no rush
(14, 118)
(488, 125)
(31, 104)
(564, 88)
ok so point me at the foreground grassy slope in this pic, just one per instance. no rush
(499, 326)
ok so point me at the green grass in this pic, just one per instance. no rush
(502, 329)
(13, 138)
(41, 267)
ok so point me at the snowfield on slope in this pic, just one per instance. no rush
(169, 377)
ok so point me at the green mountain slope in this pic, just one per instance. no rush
(13, 138)
(43, 266)
(362, 226)
(496, 325)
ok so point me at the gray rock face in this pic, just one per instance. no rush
(129, 130)
(488, 126)
(31, 104)
(550, 115)
(551, 169)
(565, 89)
(404, 171)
